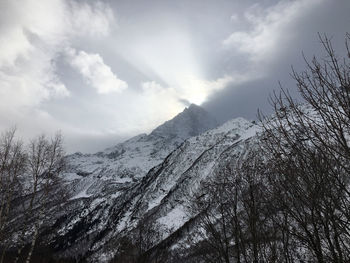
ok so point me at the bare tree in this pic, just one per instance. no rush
(12, 166)
(135, 247)
(234, 217)
(213, 238)
(289, 200)
(45, 164)
(30, 185)
(308, 157)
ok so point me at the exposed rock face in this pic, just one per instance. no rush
(149, 176)
(191, 122)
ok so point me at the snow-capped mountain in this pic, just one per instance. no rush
(132, 159)
(164, 195)
(147, 179)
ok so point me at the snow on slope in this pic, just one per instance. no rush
(101, 184)
(136, 156)
(129, 161)
(165, 193)
(149, 176)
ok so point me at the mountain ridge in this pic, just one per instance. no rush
(148, 178)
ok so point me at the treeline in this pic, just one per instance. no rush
(287, 199)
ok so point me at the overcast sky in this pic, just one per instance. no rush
(102, 71)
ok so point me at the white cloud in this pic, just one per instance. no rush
(271, 28)
(158, 104)
(98, 16)
(95, 72)
(33, 34)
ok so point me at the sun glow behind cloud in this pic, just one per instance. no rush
(171, 56)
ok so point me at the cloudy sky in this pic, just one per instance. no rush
(101, 71)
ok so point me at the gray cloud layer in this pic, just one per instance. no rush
(102, 71)
(277, 37)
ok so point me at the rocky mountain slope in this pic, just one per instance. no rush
(148, 180)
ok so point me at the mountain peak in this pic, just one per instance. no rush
(192, 121)
(194, 107)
